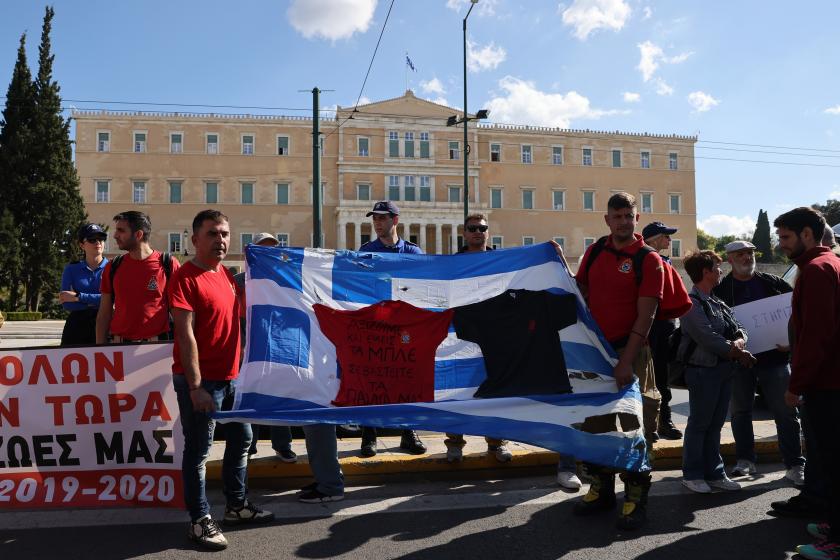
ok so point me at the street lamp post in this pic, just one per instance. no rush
(466, 122)
(186, 236)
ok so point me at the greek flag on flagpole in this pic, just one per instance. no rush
(410, 64)
(290, 374)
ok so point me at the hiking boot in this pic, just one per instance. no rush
(500, 452)
(410, 442)
(798, 506)
(743, 468)
(667, 430)
(634, 511)
(600, 497)
(796, 474)
(206, 532)
(246, 513)
(825, 550)
(368, 448)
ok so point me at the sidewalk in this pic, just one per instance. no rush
(390, 463)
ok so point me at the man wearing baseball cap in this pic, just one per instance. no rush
(772, 372)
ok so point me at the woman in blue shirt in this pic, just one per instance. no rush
(80, 288)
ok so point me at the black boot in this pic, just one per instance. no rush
(667, 430)
(410, 442)
(601, 494)
(368, 448)
(634, 512)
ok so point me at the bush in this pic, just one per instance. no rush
(22, 315)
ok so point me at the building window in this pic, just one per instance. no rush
(495, 152)
(560, 241)
(409, 145)
(283, 193)
(393, 144)
(425, 188)
(589, 201)
(175, 242)
(365, 237)
(139, 142)
(409, 193)
(247, 144)
(212, 141)
(245, 239)
(283, 238)
(676, 248)
(138, 194)
(527, 240)
(557, 155)
(282, 145)
(528, 199)
(103, 141)
(676, 203)
(424, 145)
(393, 187)
(526, 154)
(363, 192)
(672, 161)
(211, 193)
(103, 191)
(587, 156)
(175, 192)
(645, 160)
(454, 194)
(616, 158)
(558, 200)
(176, 143)
(587, 241)
(363, 146)
(247, 193)
(454, 150)
(647, 203)
(497, 241)
(495, 198)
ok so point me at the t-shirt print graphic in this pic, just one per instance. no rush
(518, 333)
(386, 351)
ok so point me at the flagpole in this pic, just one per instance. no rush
(406, 70)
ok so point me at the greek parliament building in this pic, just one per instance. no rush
(534, 183)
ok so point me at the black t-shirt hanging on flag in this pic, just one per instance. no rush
(518, 335)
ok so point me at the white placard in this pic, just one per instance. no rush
(766, 322)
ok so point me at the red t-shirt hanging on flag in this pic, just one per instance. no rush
(386, 351)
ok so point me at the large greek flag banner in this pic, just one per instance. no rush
(290, 374)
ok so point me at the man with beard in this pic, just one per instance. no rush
(772, 372)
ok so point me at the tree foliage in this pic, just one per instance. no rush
(761, 238)
(831, 211)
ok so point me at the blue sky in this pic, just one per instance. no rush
(754, 80)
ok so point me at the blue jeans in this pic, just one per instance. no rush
(322, 449)
(774, 382)
(709, 390)
(198, 438)
(281, 438)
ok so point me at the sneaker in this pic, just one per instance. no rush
(743, 468)
(798, 506)
(500, 452)
(315, 496)
(454, 454)
(206, 532)
(699, 486)
(368, 448)
(796, 474)
(667, 430)
(568, 480)
(410, 442)
(308, 488)
(246, 513)
(724, 484)
(287, 456)
(818, 530)
(826, 550)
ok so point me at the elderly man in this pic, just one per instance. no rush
(745, 284)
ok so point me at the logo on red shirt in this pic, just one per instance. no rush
(405, 338)
(625, 266)
(153, 285)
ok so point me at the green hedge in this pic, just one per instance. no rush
(22, 315)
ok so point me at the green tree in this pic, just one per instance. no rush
(831, 211)
(705, 240)
(761, 238)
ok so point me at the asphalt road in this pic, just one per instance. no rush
(526, 517)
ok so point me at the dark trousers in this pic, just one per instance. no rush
(824, 419)
(660, 332)
(816, 485)
(80, 328)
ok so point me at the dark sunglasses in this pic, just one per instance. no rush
(473, 229)
(94, 240)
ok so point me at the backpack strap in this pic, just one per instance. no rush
(115, 264)
(166, 263)
(638, 258)
(597, 247)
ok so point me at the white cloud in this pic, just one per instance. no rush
(440, 100)
(630, 97)
(487, 57)
(701, 101)
(523, 103)
(652, 56)
(662, 87)
(433, 86)
(484, 8)
(722, 224)
(648, 13)
(330, 19)
(833, 110)
(588, 16)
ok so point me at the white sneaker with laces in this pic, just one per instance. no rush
(569, 480)
(724, 484)
(796, 474)
(743, 468)
(500, 452)
(699, 486)
(454, 454)
(206, 532)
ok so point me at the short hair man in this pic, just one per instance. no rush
(625, 312)
(385, 217)
(658, 236)
(815, 365)
(134, 305)
(742, 285)
(206, 361)
(281, 436)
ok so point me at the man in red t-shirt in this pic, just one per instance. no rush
(134, 307)
(624, 305)
(205, 362)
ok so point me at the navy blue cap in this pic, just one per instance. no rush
(384, 207)
(92, 230)
(657, 228)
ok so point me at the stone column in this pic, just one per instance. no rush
(454, 239)
(357, 235)
(422, 238)
(438, 239)
(342, 234)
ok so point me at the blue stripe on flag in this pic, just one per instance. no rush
(285, 337)
(457, 374)
(583, 357)
(281, 264)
